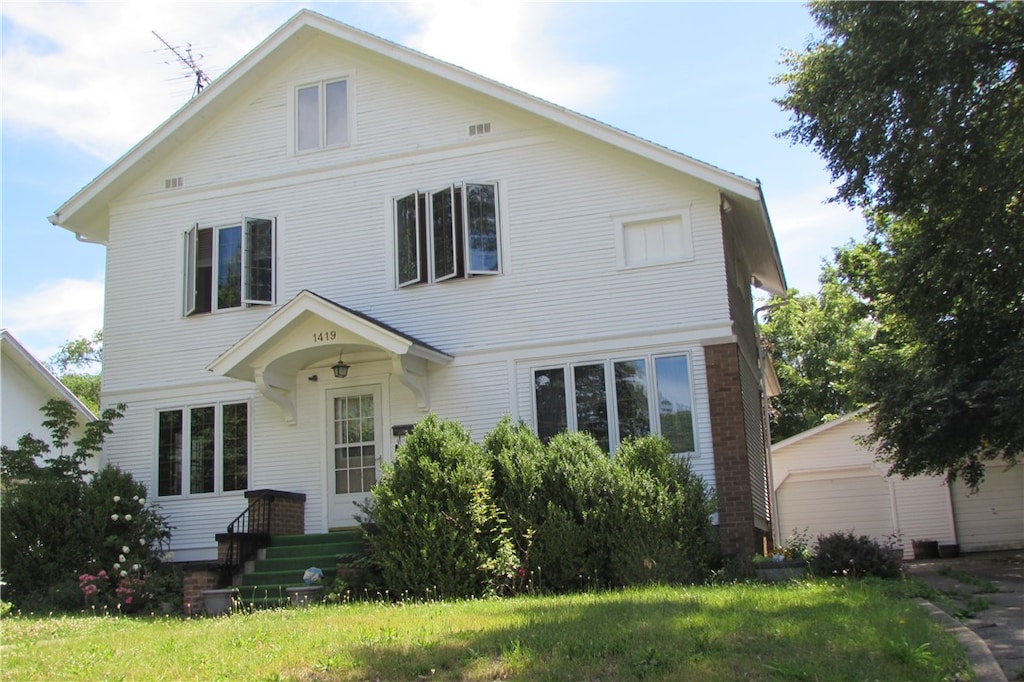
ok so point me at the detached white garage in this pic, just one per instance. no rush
(825, 481)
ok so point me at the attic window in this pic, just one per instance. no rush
(479, 129)
(174, 183)
(654, 239)
(321, 115)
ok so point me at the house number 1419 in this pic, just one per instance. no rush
(322, 337)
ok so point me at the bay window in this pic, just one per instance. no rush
(617, 399)
(203, 449)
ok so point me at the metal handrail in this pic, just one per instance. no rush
(247, 534)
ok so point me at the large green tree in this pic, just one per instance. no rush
(918, 110)
(818, 343)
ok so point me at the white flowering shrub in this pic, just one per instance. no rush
(65, 529)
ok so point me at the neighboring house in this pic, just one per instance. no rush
(826, 481)
(341, 234)
(25, 386)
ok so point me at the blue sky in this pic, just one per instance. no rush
(83, 82)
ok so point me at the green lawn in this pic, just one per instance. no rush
(814, 630)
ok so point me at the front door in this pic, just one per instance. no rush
(354, 448)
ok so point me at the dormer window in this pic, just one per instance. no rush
(321, 115)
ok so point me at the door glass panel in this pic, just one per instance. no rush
(591, 402)
(355, 462)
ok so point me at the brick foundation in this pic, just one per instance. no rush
(197, 577)
(739, 535)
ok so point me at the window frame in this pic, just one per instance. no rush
(323, 127)
(568, 369)
(624, 223)
(425, 230)
(183, 466)
(191, 279)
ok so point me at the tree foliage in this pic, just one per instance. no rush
(76, 363)
(818, 343)
(918, 109)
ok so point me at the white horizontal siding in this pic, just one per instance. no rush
(992, 518)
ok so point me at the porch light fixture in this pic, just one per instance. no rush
(339, 368)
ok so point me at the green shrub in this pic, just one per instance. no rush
(453, 518)
(65, 528)
(663, 531)
(433, 526)
(846, 554)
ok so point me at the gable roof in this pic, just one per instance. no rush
(857, 416)
(11, 350)
(279, 347)
(86, 213)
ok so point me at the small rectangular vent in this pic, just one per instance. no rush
(174, 183)
(479, 129)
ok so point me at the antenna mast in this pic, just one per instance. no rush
(186, 59)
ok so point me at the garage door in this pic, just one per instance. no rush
(993, 518)
(858, 503)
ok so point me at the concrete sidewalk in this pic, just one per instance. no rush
(985, 593)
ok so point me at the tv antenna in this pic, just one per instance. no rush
(186, 59)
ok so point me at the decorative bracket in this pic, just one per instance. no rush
(280, 390)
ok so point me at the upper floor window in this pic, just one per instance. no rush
(448, 233)
(203, 449)
(230, 266)
(654, 239)
(321, 115)
(617, 399)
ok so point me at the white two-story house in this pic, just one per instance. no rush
(340, 235)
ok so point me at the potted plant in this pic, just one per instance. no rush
(785, 562)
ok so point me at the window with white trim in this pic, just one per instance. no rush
(229, 266)
(203, 449)
(617, 399)
(321, 115)
(654, 239)
(447, 233)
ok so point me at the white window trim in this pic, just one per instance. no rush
(430, 276)
(620, 223)
(293, 118)
(191, 237)
(186, 455)
(654, 414)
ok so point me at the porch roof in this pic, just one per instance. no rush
(311, 333)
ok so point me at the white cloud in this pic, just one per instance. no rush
(95, 75)
(807, 229)
(55, 312)
(512, 43)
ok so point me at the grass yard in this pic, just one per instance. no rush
(814, 630)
